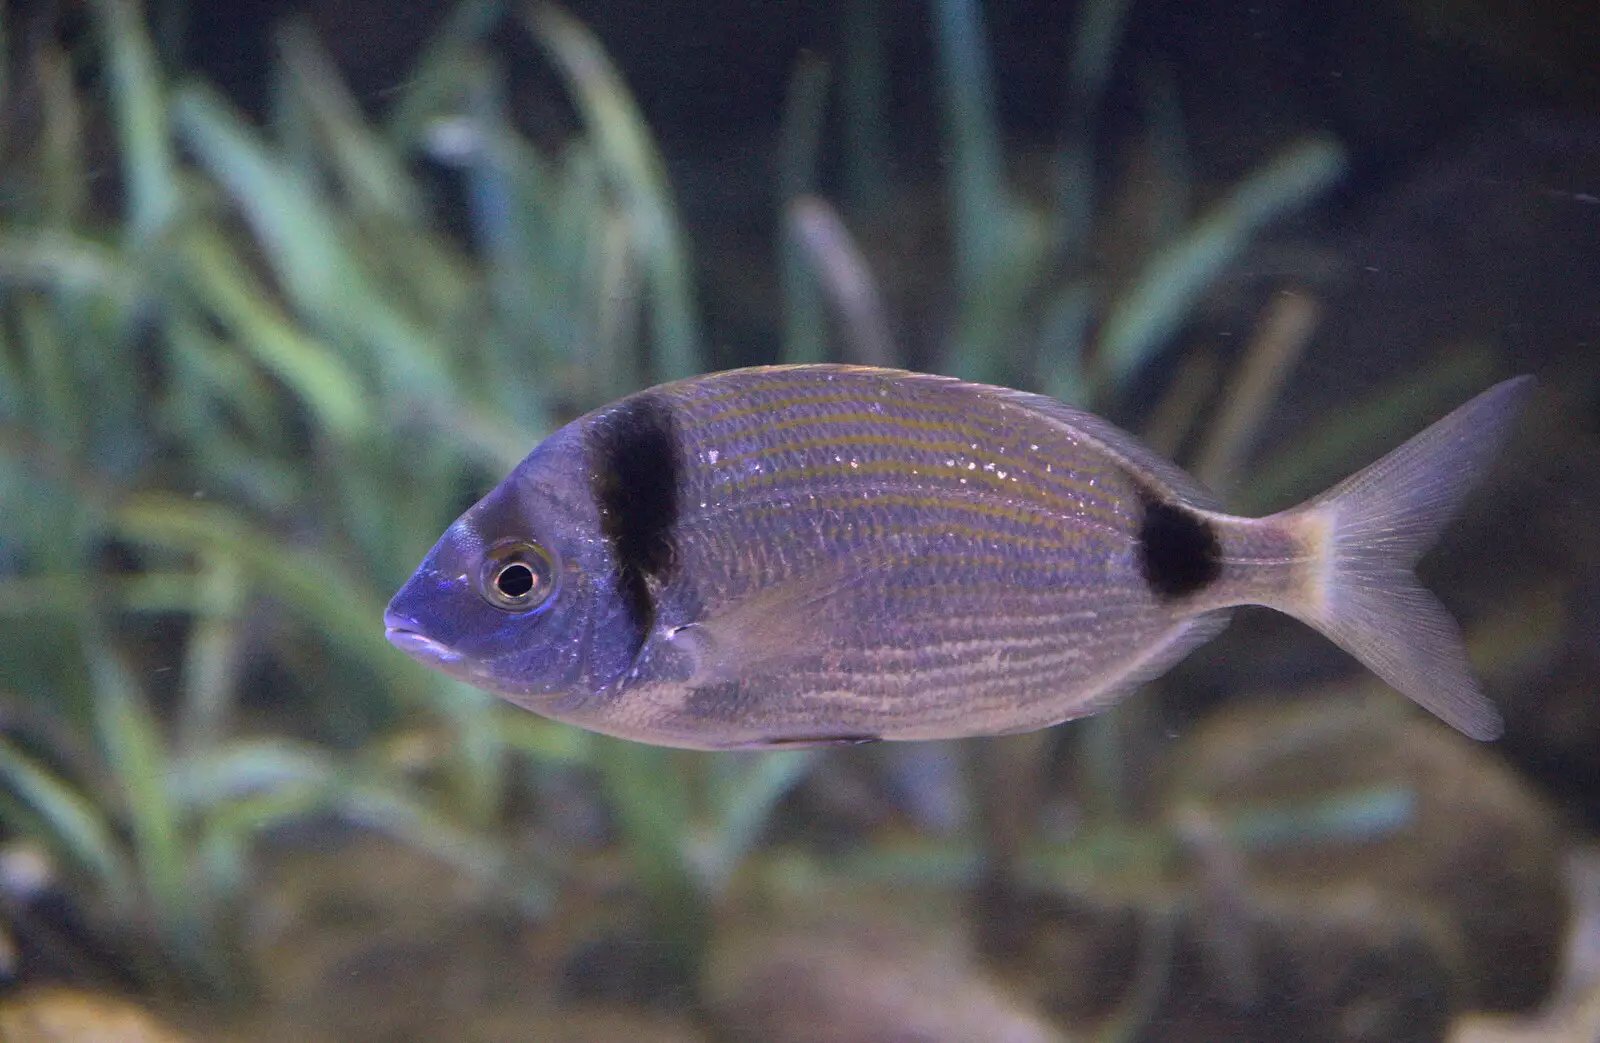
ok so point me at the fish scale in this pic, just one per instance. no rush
(911, 447)
(897, 472)
(814, 554)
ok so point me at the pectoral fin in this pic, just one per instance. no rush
(777, 627)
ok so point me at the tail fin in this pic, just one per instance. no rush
(1375, 525)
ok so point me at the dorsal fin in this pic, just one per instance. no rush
(1138, 458)
(1156, 471)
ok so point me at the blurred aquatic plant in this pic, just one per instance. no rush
(1032, 307)
(688, 822)
(156, 836)
(234, 411)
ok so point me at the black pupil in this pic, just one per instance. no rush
(515, 580)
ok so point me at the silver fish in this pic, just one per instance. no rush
(815, 554)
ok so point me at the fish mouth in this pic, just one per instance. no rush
(402, 634)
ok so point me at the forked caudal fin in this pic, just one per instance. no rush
(1371, 528)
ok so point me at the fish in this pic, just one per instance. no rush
(828, 554)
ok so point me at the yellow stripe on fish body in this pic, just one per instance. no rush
(830, 553)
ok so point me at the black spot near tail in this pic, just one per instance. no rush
(636, 482)
(1178, 549)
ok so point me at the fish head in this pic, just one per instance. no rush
(517, 597)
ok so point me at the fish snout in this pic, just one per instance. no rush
(407, 635)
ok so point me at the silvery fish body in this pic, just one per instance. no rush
(808, 554)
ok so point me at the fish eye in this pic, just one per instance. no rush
(516, 576)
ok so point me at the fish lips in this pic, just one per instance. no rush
(407, 635)
(413, 623)
(423, 619)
